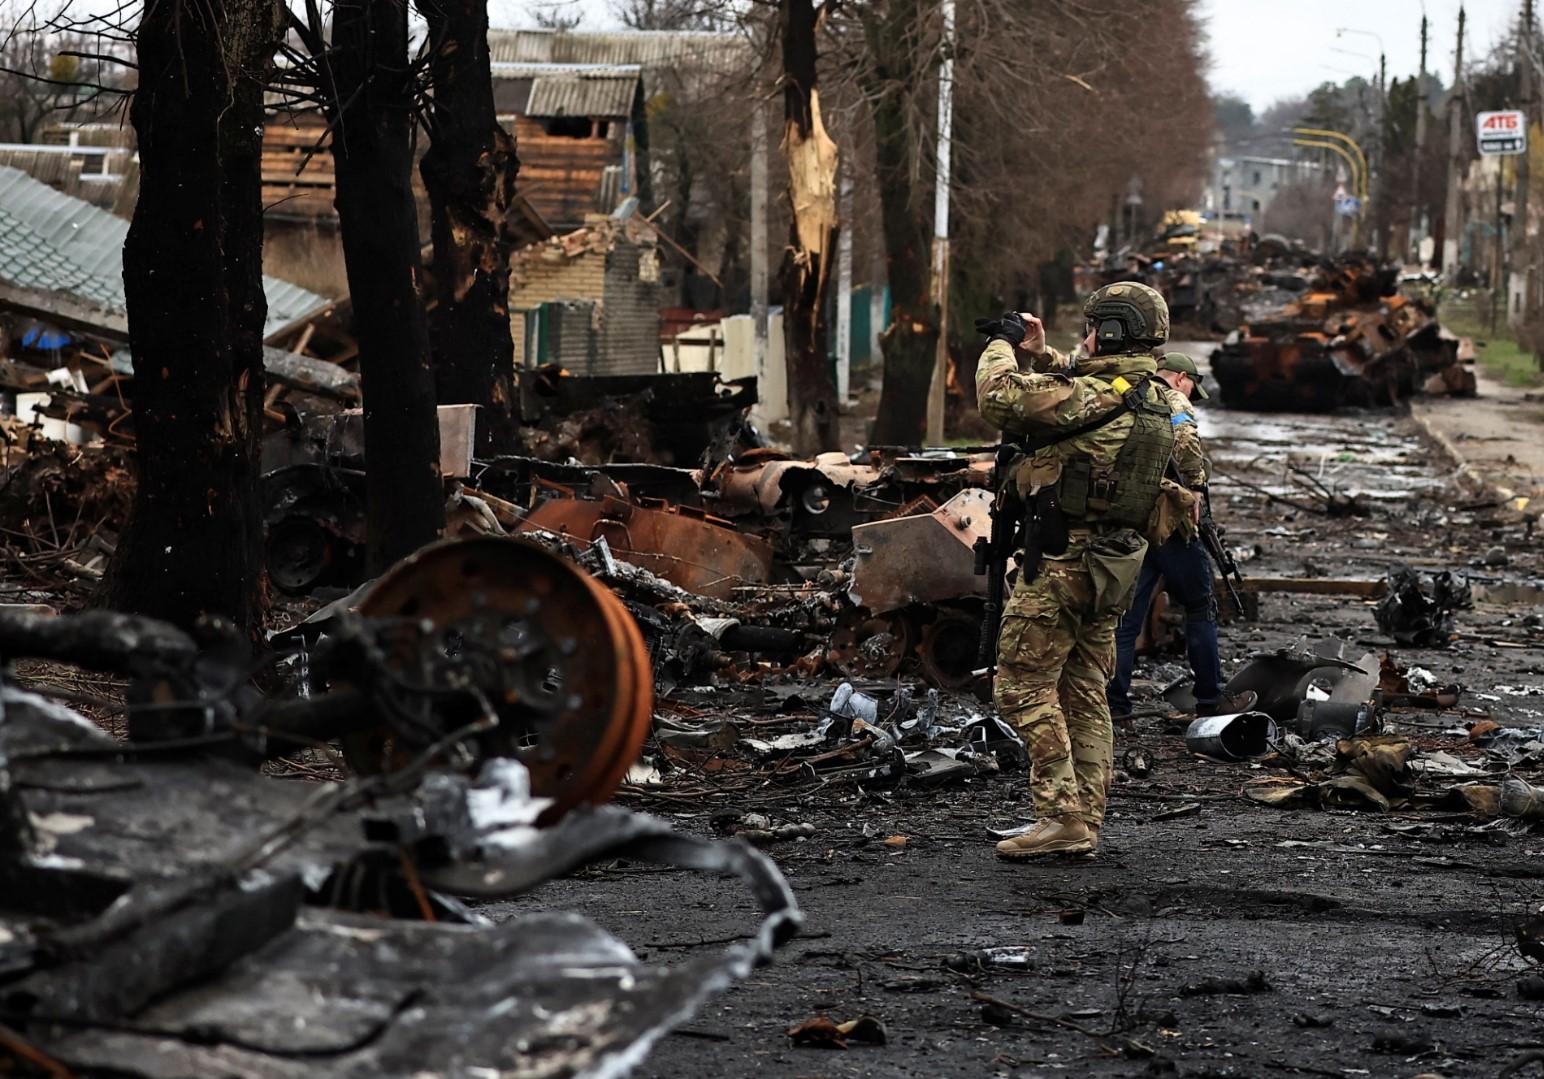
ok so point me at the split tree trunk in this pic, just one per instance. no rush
(404, 496)
(470, 172)
(812, 159)
(910, 343)
(192, 274)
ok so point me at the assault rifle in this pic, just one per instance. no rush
(1213, 536)
(995, 552)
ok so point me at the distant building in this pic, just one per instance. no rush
(91, 161)
(577, 105)
(578, 129)
(1244, 185)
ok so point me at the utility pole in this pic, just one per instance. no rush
(844, 288)
(1420, 94)
(938, 390)
(759, 244)
(1498, 249)
(1417, 221)
(1452, 228)
(1522, 261)
(1381, 222)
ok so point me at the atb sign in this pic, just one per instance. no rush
(1503, 132)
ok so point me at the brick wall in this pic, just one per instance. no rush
(582, 277)
(613, 265)
(629, 333)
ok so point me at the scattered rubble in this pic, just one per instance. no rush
(1349, 338)
(261, 907)
(1411, 616)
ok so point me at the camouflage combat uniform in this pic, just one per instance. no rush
(1056, 649)
(1172, 514)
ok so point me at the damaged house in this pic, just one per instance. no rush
(65, 344)
(579, 128)
(589, 300)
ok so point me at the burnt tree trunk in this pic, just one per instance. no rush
(812, 161)
(909, 344)
(373, 160)
(469, 172)
(192, 275)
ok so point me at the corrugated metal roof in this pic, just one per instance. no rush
(28, 260)
(57, 242)
(583, 95)
(651, 48)
(502, 70)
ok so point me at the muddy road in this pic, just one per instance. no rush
(1213, 936)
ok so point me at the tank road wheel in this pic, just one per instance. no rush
(553, 653)
(873, 648)
(948, 648)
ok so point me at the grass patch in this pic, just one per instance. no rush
(1497, 353)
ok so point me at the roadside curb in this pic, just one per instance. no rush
(1467, 473)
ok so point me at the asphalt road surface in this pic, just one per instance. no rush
(1213, 936)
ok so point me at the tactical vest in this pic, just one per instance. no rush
(1122, 494)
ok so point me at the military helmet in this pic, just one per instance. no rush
(1139, 314)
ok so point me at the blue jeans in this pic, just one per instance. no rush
(1187, 573)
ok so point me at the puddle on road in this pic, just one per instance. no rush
(1377, 456)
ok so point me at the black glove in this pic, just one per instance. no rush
(1010, 327)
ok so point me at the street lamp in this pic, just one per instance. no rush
(1383, 109)
(1339, 30)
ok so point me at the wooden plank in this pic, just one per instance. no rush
(1315, 586)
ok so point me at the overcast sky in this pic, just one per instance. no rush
(1263, 50)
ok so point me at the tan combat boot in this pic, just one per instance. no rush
(1051, 835)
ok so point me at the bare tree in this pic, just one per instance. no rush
(675, 14)
(812, 160)
(558, 16)
(52, 64)
(192, 270)
(892, 74)
(32, 78)
(469, 172)
(372, 104)
(1028, 184)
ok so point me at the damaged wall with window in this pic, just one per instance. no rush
(580, 129)
(589, 300)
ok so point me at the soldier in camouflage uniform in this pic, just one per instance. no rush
(1174, 555)
(1098, 436)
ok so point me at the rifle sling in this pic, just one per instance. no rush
(1129, 400)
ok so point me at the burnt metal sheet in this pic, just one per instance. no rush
(703, 554)
(926, 558)
(310, 374)
(757, 484)
(180, 917)
(517, 479)
(1354, 339)
(546, 995)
